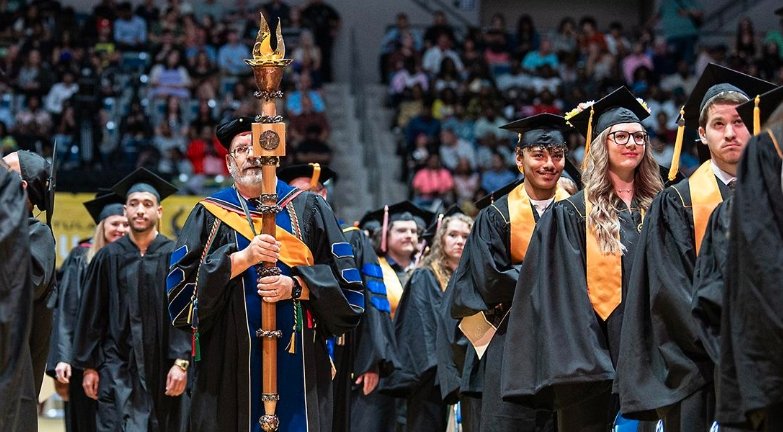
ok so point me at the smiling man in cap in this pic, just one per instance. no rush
(135, 363)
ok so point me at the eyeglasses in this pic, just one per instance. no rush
(623, 137)
(243, 151)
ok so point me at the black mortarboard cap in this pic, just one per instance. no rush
(144, 180)
(403, 210)
(539, 130)
(619, 106)
(36, 171)
(491, 197)
(432, 229)
(767, 103)
(226, 131)
(317, 173)
(715, 81)
(106, 203)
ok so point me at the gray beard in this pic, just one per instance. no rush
(249, 180)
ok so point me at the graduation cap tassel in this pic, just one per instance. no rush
(756, 116)
(588, 138)
(384, 228)
(316, 177)
(675, 166)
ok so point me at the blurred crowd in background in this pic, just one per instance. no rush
(123, 86)
(120, 86)
(453, 87)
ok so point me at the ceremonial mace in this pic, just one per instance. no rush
(268, 133)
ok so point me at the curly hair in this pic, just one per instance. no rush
(436, 258)
(599, 190)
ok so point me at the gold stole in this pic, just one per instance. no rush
(523, 222)
(604, 273)
(293, 252)
(393, 285)
(705, 196)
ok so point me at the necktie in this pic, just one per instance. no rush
(732, 184)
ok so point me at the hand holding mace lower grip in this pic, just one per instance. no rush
(268, 135)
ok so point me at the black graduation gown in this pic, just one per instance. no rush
(16, 306)
(415, 329)
(123, 331)
(751, 341)
(80, 410)
(575, 350)
(43, 267)
(708, 278)
(369, 347)
(485, 281)
(663, 361)
(223, 390)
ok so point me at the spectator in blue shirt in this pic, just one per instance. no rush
(130, 31)
(540, 57)
(497, 177)
(232, 54)
(294, 100)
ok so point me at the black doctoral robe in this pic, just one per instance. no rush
(485, 281)
(564, 355)
(16, 304)
(369, 347)
(751, 341)
(80, 410)
(664, 371)
(123, 331)
(230, 363)
(415, 330)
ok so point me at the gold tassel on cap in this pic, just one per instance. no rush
(588, 138)
(316, 175)
(756, 116)
(384, 228)
(675, 167)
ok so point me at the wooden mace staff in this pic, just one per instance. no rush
(268, 134)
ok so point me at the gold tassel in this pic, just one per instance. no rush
(756, 116)
(675, 167)
(316, 177)
(588, 138)
(291, 348)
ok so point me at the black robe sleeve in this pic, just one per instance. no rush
(452, 347)
(662, 360)
(16, 300)
(751, 326)
(709, 278)
(375, 348)
(485, 276)
(93, 317)
(415, 328)
(213, 276)
(553, 318)
(67, 308)
(43, 257)
(336, 291)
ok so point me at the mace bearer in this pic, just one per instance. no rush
(268, 135)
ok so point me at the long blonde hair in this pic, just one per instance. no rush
(98, 240)
(436, 258)
(599, 190)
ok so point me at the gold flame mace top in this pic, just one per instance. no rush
(263, 55)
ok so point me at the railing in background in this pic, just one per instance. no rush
(369, 144)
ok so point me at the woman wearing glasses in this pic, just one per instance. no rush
(568, 307)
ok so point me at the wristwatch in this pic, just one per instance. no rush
(182, 364)
(296, 291)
